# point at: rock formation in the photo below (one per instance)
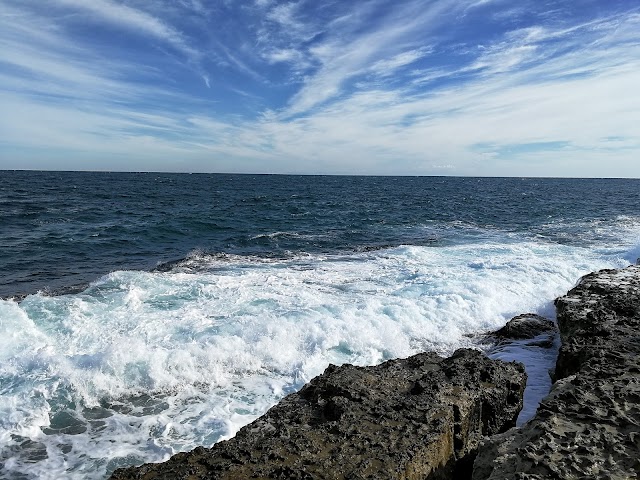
(589, 425)
(533, 341)
(527, 326)
(415, 418)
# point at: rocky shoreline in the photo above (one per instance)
(589, 424)
(427, 417)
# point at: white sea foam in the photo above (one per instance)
(539, 361)
(142, 365)
(276, 235)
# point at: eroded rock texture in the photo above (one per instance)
(589, 425)
(526, 326)
(415, 418)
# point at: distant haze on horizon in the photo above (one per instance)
(410, 87)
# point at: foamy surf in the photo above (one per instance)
(142, 365)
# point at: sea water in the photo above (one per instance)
(147, 314)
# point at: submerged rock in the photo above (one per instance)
(589, 425)
(416, 418)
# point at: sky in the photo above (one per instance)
(372, 87)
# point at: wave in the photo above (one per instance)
(141, 365)
(276, 235)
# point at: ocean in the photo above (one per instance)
(143, 314)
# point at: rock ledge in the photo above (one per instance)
(416, 418)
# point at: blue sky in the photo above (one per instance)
(406, 87)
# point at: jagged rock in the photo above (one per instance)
(599, 321)
(415, 418)
(589, 425)
(525, 326)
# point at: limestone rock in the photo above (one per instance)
(526, 326)
(415, 418)
(589, 425)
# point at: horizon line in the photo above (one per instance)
(138, 172)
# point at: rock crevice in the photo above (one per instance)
(589, 424)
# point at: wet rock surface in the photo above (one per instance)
(589, 425)
(526, 326)
(416, 418)
(534, 341)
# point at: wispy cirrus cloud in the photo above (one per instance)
(135, 20)
(558, 98)
(387, 66)
(60, 96)
(477, 87)
(349, 51)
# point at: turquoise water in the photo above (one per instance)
(146, 314)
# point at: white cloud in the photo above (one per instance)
(392, 131)
(194, 5)
(134, 20)
(571, 84)
(285, 15)
(343, 59)
(388, 66)
(291, 56)
(506, 58)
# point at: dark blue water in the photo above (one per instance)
(60, 230)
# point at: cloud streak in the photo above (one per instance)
(134, 20)
(345, 55)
